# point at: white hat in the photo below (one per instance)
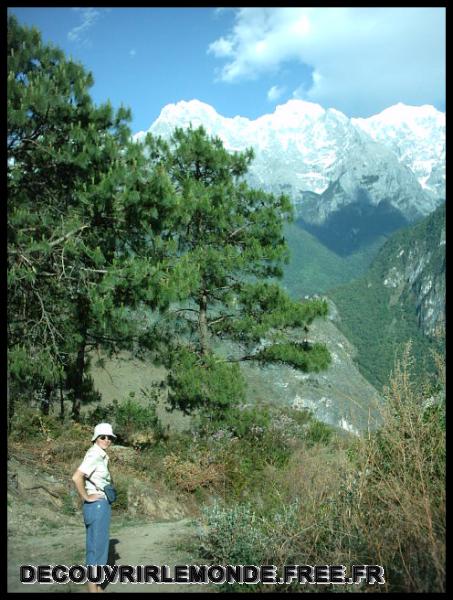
(102, 429)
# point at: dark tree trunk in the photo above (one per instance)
(78, 381)
(61, 400)
(10, 403)
(45, 402)
(82, 316)
(203, 324)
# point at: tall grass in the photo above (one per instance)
(378, 499)
(401, 488)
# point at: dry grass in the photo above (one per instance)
(402, 490)
(386, 503)
(377, 500)
(189, 475)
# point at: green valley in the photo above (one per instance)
(313, 268)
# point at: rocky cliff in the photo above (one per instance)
(413, 267)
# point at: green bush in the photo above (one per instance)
(231, 535)
(209, 386)
(240, 420)
(318, 433)
(70, 503)
(242, 535)
(121, 485)
(134, 423)
(101, 414)
(29, 422)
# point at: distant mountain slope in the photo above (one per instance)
(401, 297)
(340, 395)
(314, 268)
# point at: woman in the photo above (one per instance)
(90, 479)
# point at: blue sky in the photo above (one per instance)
(246, 61)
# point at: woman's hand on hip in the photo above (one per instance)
(94, 497)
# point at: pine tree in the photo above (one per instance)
(230, 238)
(80, 225)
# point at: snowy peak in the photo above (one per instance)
(299, 138)
(416, 135)
(301, 148)
(182, 114)
(298, 109)
(190, 109)
(412, 116)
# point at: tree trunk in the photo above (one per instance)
(61, 400)
(77, 385)
(203, 324)
(45, 402)
(78, 381)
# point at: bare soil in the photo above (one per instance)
(141, 544)
(42, 531)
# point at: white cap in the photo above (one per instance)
(102, 429)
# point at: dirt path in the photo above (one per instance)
(148, 543)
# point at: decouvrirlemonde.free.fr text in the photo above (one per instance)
(216, 574)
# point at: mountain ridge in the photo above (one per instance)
(302, 149)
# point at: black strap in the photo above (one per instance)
(99, 489)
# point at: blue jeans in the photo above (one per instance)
(96, 516)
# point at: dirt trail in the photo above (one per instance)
(149, 543)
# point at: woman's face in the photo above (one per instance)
(104, 441)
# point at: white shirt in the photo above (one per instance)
(95, 466)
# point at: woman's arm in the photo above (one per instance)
(79, 480)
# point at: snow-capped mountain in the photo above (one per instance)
(325, 161)
(416, 134)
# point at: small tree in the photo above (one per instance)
(230, 239)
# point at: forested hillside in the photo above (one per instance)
(401, 297)
(313, 268)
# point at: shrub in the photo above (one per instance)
(122, 500)
(134, 424)
(231, 535)
(194, 473)
(241, 534)
(240, 420)
(375, 499)
(28, 422)
(318, 433)
(70, 503)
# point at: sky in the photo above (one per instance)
(246, 61)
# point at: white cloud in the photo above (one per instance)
(363, 59)
(89, 17)
(221, 48)
(275, 93)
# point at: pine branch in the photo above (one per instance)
(67, 236)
